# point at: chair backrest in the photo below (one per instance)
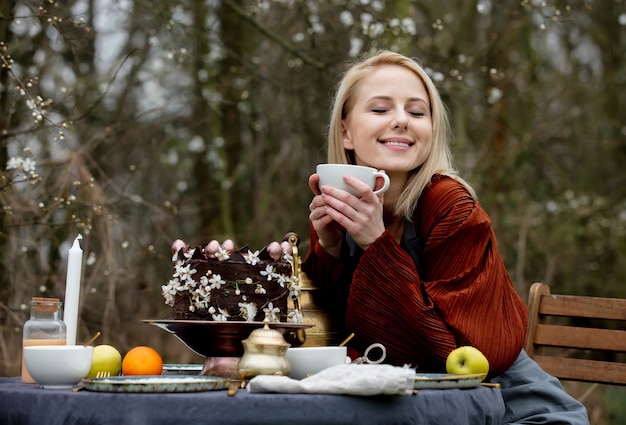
(577, 338)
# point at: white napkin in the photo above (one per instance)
(348, 379)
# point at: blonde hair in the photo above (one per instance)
(439, 160)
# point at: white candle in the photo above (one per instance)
(72, 290)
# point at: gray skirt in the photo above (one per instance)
(531, 396)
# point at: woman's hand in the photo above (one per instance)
(334, 211)
(330, 233)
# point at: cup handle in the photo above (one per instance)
(385, 177)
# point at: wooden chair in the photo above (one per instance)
(577, 338)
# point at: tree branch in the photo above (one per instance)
(275, 37)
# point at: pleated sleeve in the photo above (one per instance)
(464, 296)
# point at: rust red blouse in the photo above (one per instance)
(464, 295)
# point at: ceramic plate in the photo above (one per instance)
(442, 381)
(182, 369)
(156, 384)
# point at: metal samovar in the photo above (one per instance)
(322, 333)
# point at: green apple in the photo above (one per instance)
(467, 360)
(106, 358)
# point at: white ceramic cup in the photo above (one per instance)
(304, 361)
(332, 175)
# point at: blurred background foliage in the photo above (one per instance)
(136, 122)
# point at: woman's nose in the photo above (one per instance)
(400, 120)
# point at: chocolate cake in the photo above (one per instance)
(239, 286)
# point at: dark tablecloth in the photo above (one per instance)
(26, 404)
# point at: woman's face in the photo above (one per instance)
(390, 126)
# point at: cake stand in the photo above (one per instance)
(220, 342)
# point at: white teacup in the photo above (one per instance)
(332, 175)
(304, 361)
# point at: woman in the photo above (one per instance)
(417, 268)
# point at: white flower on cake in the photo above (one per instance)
(169, 292)
(222, 254)
(222, 316)
(259, 289)
(183, 273)
(188, 254)
(269, 272)
(171, 285)
(252, 257)
(201, 302)
(203, 287)
(288, 257)
(282, 279)
(294, 289)
(248, 311)
(271, 312)
(295, 316)
(216, 281)
(249, 281)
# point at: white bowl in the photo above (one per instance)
(309, 360)
(58, 366)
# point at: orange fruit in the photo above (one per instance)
(142, 360)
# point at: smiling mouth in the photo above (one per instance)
(396, 143)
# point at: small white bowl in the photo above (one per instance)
(58, 366)
(309, 360)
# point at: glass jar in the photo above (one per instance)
(44, 327)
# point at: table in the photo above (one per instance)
(26, 404)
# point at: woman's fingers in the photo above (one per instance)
(361, 217)
(314, 182)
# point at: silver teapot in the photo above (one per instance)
(264, 353)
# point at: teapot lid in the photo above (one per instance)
(266, 336)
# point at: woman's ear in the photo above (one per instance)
(347, 137)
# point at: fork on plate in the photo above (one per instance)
(99, 374)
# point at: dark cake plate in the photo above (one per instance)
(220, 342)
(223, 339)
